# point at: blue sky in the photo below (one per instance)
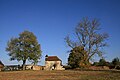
(52, 20)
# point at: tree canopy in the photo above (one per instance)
(77, 57)
(25, 47)
(116, 62)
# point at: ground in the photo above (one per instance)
(60, 75)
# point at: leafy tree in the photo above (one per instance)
(116, 62)
(23, 48)
(95, 64)
(77, 57)
(102, 62)
(88, 35)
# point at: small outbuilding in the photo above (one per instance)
(53, 63)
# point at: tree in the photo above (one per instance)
(23, 48)
(88, 35)
(77, 57)
(116, 62)
(102, 62)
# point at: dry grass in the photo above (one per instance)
(60, 75)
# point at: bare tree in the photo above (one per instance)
(88, 36)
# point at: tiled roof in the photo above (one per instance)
(52, 58)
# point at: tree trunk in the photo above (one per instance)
(24, 61)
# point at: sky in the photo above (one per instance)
(52, 20)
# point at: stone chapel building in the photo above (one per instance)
(53, 63)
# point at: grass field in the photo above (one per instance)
(60, 75)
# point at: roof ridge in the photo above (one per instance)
(52, 58)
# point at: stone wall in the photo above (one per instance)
(38, 67)
(34, 67)
(53, 65)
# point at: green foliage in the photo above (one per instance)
(23, 48)
(102, 62)
(95, 64)
(116, 62)
(77, 57)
